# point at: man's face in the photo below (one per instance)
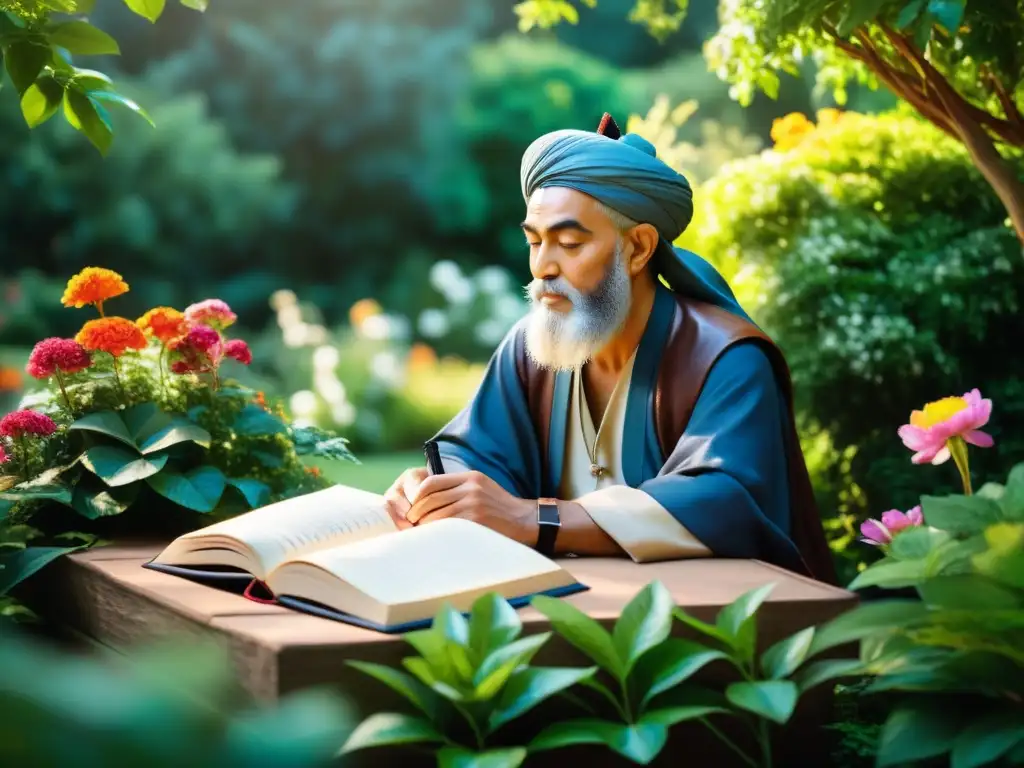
(582, 289)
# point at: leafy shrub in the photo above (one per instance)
(876, 255)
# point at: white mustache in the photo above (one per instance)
(557, 285)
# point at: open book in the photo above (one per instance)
(337, 553)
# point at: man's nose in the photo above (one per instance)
(543, 263)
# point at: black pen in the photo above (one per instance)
(434, 465)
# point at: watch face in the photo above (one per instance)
(548, 514)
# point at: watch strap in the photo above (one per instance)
(549, 522)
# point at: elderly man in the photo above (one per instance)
(636, 411)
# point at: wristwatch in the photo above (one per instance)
(548, 524)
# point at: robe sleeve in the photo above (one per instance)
(494, 433)
(725, 483)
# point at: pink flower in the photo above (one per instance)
(198, 351)
(238, 350)
(53, 354)
(930, 429)
(878, 532)
(21, 423)
(212, 312)
(4, 458)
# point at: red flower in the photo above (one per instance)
(21, 423)
(4, 458)
(238, 350)
(53, 354)
(199, 351)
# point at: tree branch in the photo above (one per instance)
(1013, 114)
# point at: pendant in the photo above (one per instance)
(596, 470)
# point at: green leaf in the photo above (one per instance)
(197, 5)
(738, 620)
(527, 688)
(144, 419)
(867, 619)
(986, 740)
(644, 623)
(177, 431)
(459, 757)
(909, 13)
(994, 491)
(707, 629)
(669, 664)
(917, 543)
(948, 12)
(253, 420)
(782, 659)
(199, 489)
(19, 564)
(95, 502)
(256, 492)
(24, 61)
(118, 466)
(1004, 560)
(82, 114)
(499, 665)
(267, 459)
(818, 672)
(385, 728)
(147, 9)
(493, 622)
(412, 689)
(41, 101)
(108, 423)
(91, 80)
(119, 98)
(772, 699)
(1012, 500)
(38, 491)
(82, 38)
(84, 6)
(916, 733)
(960, 514)
(581, 631)
(686, 703)
(858, 13)
(970, 591)
(891, 574)
(640, 743)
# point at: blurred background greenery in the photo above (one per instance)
(344, 173)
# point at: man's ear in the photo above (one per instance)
(645, 241)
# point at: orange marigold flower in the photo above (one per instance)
(164, 324)
(93, 285)
(790, 130)
(10, 380)
(362, 310)
(421, 356)
(113, 335)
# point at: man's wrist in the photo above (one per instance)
(549, 522)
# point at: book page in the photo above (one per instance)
(305, 523)
(430, 562)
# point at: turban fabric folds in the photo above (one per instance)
(624, 173)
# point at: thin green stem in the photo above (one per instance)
(117, 378)
(472, 724)
(63, 391)
(958, 450)
(625, 701)
(600, 688)
(728, 742)
(765, 739)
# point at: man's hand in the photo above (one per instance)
(399, 494)
(474, 496)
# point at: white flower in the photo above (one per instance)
(444, 272)
(326, 358)
(303, 403)
(433, 323)
(492, 279)
(377, 327)
(282, 298)
(386, 367)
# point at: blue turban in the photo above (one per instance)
(626, 175)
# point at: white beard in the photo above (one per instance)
(566, 341)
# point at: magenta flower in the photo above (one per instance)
(880, 532)
(22, 423)
(55, 355)
(4, 458)
(212, 312)
(198, 351)
(238, 350)
(930, 429)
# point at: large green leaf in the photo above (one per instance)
(669, 664)
(782, 659)
(867, 619)
(144, 419)
(773, 699)
(83, 115)
(948, 12)
(93, 500)
(413, 690)
(147, 9)
(909, 13)
(454, 628)
(108, 423)
(960, 514)
(255, 492)
(80, 37)
(499, 665)
(41, 101)
(177, 431)
(493, 622)
(640, 743)
(1004, 560)
(39, 489)
(891, 574)
(581, 631)
(857, 13)
(459, 757)
(119, 466)
(818, 672)
(24, 60)
(434, 648)
(917, 543)
(916, 733)
(119, 98)
(199, 489)
(738, 620)
(253, 420)
(17, 565)
(687, 702)
(703, 627)
(970, 591)
(528, 687)
(1012, 500)
(987, 739)
(386, 728)
(644, 623)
